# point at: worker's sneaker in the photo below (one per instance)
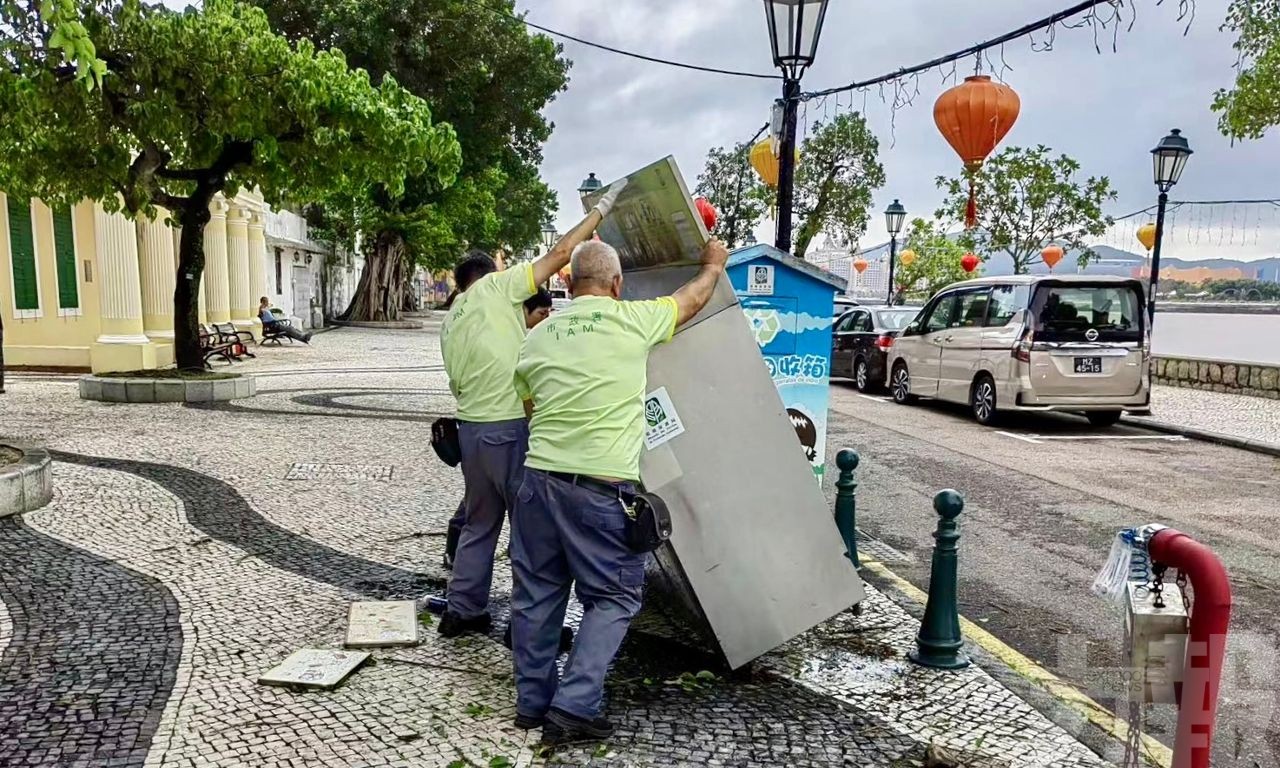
(529, 722)
(566, 639)
(453, 625)
(562, 728)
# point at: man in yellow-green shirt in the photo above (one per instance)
(582, 374)
(480, 340)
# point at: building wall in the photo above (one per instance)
(1194, 275)
(50, 336)
(124, 272)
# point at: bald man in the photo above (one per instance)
(582, 377)
(480, 341)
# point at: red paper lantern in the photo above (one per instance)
(1052, 255)
(969, 262)
(973, 117)
(707, 211)
(860, 265)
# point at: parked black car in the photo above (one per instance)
(843, 304)
(861, 341)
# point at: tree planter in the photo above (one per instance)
(26, 484)
(112, 389)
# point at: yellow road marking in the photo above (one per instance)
(1157, 754)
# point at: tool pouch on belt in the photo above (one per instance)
(648, 523)
(444, 439)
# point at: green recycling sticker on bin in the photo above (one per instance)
(661, 422)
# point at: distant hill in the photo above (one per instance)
(1112, 261)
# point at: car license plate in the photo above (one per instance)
(1088, 365)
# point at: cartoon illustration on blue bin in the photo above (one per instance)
(788, 304)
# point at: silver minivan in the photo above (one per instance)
(1029, 342)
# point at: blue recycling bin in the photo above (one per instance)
(789, 303)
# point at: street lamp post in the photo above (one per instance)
(894, 215)
(794, 29)
(589, 185)
(548, 235)
(1168, 159)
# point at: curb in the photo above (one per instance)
(1243, 443)
(1036, 676)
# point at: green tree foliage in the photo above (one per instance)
(1243, 289)
(839, 168)
(198, 103)
(1252, 105)
(482, 73)
(730, 184)
(1028, 200)
(55, 29)
(937, 263)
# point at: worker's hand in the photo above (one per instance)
(714, 254)
(610, 197)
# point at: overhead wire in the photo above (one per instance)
(632, 54)
(978, 49)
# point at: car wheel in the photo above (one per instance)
(862, 375)
(901, 385)
(1102, 418)
(982, 400)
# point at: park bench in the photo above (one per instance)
(229, 333)
(212, 345)
(275, 331)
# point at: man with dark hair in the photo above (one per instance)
(480, 340)
(536, 309)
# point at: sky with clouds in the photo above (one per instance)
(1107, 110)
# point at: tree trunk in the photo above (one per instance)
(408, 299)
(186, 292)
(380, 292)
(1, 355)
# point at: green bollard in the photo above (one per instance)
(846, 504)
(939, 643)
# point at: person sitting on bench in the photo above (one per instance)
(272, 324)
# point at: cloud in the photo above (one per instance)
(1107, 110)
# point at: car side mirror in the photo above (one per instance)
(911, 330)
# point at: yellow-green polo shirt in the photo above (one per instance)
(584, 370)
(480, 339)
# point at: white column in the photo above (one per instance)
(238, 280)
(217, 287)
(121, 344)
(257, 262)
(156, 267)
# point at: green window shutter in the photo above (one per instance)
(64, 242)
(22, 254)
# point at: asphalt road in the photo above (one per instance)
(1045, 495)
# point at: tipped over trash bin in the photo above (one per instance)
(755, 557)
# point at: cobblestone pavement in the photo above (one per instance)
(1249, 418)
(189, 549)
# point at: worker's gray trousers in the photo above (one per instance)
(492, 464)
(563, 534)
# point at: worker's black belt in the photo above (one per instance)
(597, 485)
(648, 519)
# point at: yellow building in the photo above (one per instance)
(1195, 275)
(82, 288)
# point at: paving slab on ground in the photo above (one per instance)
(190, 548)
